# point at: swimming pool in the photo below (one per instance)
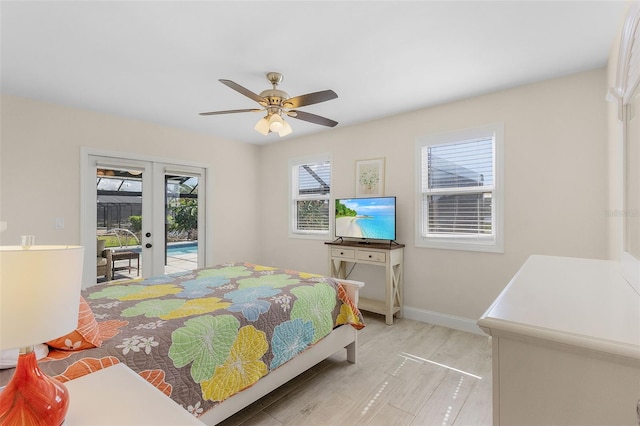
(182, 248)
(174, 249)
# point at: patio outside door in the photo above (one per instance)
(149, 214)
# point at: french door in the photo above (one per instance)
(150, 214)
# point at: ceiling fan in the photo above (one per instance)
(277, 104)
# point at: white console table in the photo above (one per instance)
(388, 256)
(566, 345)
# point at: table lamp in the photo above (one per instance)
(39, 301)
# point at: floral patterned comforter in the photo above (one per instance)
(202, 336)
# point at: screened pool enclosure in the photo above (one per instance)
(120, 218)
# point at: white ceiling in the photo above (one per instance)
(161, 61)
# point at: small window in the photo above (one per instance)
(459, 190)
(310, 195)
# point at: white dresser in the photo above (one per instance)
(566, 345)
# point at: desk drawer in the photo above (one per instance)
(343, 253)
(372, 256)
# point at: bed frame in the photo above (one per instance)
(344, 337)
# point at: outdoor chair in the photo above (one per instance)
(103, 260)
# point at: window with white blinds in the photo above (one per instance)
(311, 192)
(459, 195)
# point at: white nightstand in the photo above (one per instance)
(118, 396)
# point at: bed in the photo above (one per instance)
(215, 339)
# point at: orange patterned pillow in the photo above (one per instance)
(85, 336)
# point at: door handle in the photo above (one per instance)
(148, 245)
(148, 234)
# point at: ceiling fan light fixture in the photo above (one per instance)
(286, 129)
(262, 126)
(276, 123)
(277, 103)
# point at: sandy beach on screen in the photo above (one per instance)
(347, 226)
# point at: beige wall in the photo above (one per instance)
(615, 161)
(40, 172)
(555, 189)
(556, 184)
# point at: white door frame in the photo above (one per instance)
(155, 170)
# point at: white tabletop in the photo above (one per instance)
(117, 395)
(581, 302)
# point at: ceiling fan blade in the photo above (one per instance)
(309, 99)
(231, 111)
(248, 93)
(312, 118)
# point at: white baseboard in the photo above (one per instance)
(437, 318)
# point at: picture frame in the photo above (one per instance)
(370, 177)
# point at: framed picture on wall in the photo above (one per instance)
(370, 177)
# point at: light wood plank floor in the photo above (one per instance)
(408, 373)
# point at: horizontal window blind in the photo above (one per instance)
(458, 165)
(311, 196)
(457, 188)
(459, 214)
(314, 179)
(313, 215)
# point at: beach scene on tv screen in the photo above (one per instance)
(366, 218)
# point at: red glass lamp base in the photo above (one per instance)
(32, 397)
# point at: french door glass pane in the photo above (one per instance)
(181, 225)
(119, 222)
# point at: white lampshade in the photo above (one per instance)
(262, 126)
(39, 293)
(275, 123)
(286, 129)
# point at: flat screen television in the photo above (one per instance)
(366, 218)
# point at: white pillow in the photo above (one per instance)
(9, 357)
